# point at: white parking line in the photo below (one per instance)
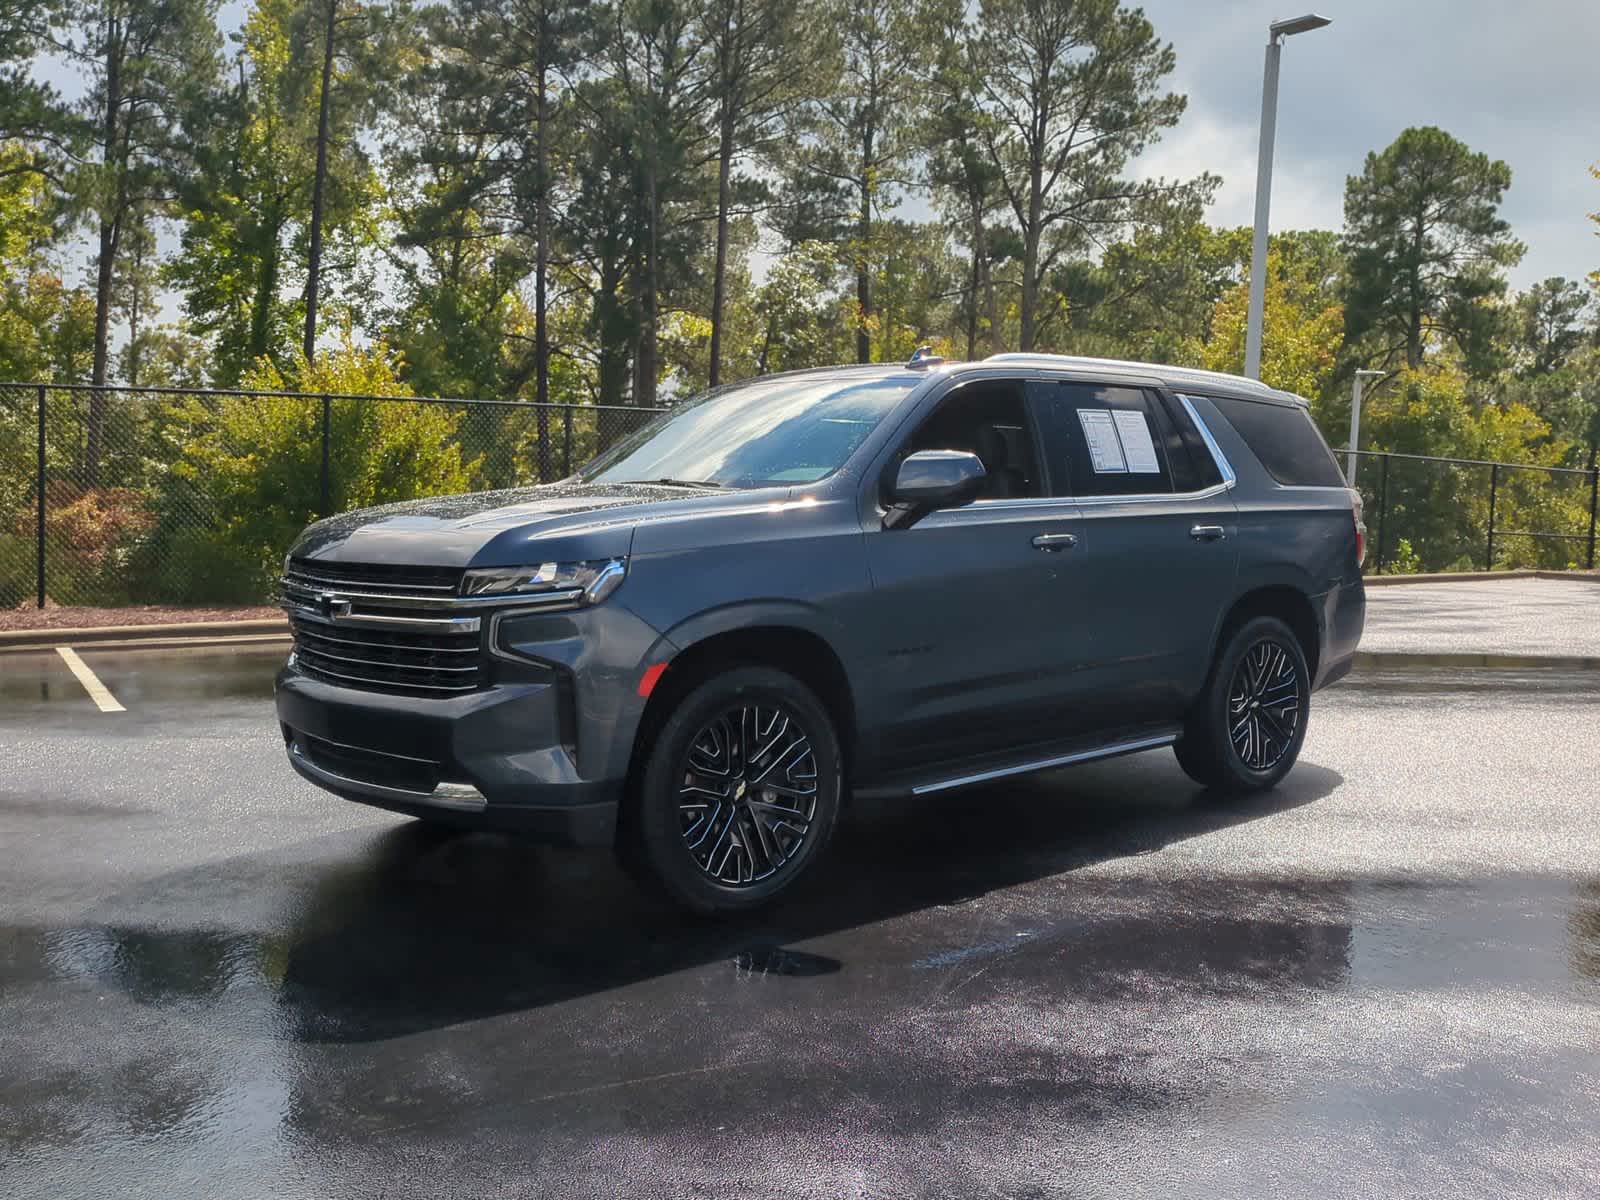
(98, 692)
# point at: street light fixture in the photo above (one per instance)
(1355, 421)
(1276, 32)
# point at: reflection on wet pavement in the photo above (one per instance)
(1050, 988)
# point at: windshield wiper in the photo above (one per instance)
(692, 483)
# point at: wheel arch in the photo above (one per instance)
(773, 638)
(1290, 605)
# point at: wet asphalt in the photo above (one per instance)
(1382, 979)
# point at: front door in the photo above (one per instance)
(976, 607)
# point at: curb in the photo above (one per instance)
(1381, 659)
(182, 633)
(1478, 577)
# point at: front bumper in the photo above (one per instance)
(502, 758)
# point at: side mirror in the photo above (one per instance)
(933, 479)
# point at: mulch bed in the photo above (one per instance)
(52, 616)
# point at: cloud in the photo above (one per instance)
(1513, 81)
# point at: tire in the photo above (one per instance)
(1246, 729)
(706, 821)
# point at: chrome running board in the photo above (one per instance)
(1044, 764)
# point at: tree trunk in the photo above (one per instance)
(266, 289)
(541, 255)
(314, 265)
(1030, 258)
(105, 268)
(864, 267)
(644, 361)
(997, 343)
(719, 282)
(977, 279)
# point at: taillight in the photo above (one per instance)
(1356, 511)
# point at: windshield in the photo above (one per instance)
(783, 430)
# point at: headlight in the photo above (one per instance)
(581, 582)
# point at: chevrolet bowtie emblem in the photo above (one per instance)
(332, 605)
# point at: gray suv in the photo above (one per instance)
(861, 580)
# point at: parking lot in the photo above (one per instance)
(1382, 979)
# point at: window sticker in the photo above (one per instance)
(1105, 450)
(1134, 432)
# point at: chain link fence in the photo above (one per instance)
(115, 496)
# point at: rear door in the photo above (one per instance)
(1159, 536)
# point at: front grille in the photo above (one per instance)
(371, 646)
(388, 579)
(368, 766)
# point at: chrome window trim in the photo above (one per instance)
(1217, 456)
(1062, 506)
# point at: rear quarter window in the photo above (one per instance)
(1284, 439)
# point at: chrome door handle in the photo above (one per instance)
(1207, 533)
(1055, 541)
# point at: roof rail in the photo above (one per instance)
(1074, 360)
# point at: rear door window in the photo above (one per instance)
(1103, 439)
(1283, 437)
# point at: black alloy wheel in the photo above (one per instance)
(1263, 705)
(748, 793)
(1245, 731)
(737, 792)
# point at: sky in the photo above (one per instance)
(1515, 81)
(1512, 80)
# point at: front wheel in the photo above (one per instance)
(1247, 728)
(739, 791)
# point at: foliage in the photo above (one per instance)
(617, 202)
(1302, 326)
(1444, 509)
(251, 470)
(1427, 249)
(1071, 92)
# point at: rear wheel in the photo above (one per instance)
(738, 793)
(1247, 728)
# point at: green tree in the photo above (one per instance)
(150, 65)
(1302, 328)
(1074, 92)
(1554, 320)
(250, 469)
(357, 44)
(961, 174)
(34, 120)
(759, 62)
(1428, 250)
(244, 249)
(863, 129)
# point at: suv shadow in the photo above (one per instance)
(425, 930)
(379, 935)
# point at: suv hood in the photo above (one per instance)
(567, 521)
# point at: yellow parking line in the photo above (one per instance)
(98, 692)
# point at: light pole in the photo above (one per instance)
(1276, 32)
(1355, 422)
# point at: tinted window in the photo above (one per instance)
(1193, 468)
(1103, 440)
(1284, 439)
(768, 431)
(986, 419)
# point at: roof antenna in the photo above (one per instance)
(923, 356)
